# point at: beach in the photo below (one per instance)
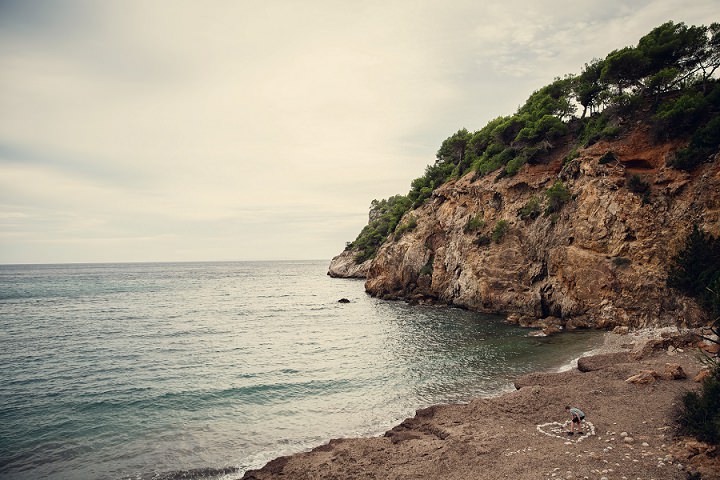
(629, 431)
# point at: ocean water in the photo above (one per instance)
(203, 370)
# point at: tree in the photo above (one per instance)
(707, 58)
(675, 53)
(453, 150)
(553, 99)
(586, 87)
(624, 68)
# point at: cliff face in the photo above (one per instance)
(600, 260)
(344, 266)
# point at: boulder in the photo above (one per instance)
(673, 371)
(551, 329)
(345, 266)
(710, 347)
(702, 375)
(598, 362)
(645, 377)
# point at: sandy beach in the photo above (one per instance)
(629, 431)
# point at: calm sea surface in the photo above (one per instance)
(203, 370)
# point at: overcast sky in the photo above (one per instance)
(259, 130)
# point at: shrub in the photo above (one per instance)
(703, 143)
(695, 270)
(621, 261)
(607, 157)
(405, 227)
(699, 413)
(482, 241)
(384, 218)
(571, 156)
(558, 195)
(637, 185)
(487, 164)
(598, 128)
(501, 228)
(678, 115)
(474, 223)
(531, 210)
(427, 269)
(513, 166)
(611, 131)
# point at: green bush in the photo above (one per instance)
(703, 144)
(557, 195)
(699, 414)
(531, 210)
(501, 228)
(637, 185)
(405, 227)
(611, 131)
(695, 270)
(384, 218)
(607, 157)
(598, 128)
(482, 241)
(474, 224)
(679, 115)
(513, 166)
(427, 269)
(571, 156)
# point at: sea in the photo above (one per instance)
(203, 370)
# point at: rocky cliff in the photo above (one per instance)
(599, 257)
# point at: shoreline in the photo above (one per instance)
(511, 434)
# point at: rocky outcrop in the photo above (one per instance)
(344, 266)
(600, 260)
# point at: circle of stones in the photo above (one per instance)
(560, 430)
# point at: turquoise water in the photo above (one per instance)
(203, 370)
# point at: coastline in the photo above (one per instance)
(519, 434)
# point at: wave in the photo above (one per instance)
(193, 400)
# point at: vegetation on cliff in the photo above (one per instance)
(696, 270)
(670, 75)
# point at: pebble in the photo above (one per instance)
(623, 434)
(645, 444)
(629, 440)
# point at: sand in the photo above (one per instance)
(629, 430)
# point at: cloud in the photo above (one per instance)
(221, 130)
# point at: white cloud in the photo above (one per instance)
(221, 130)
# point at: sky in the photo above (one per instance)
(173, 130)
